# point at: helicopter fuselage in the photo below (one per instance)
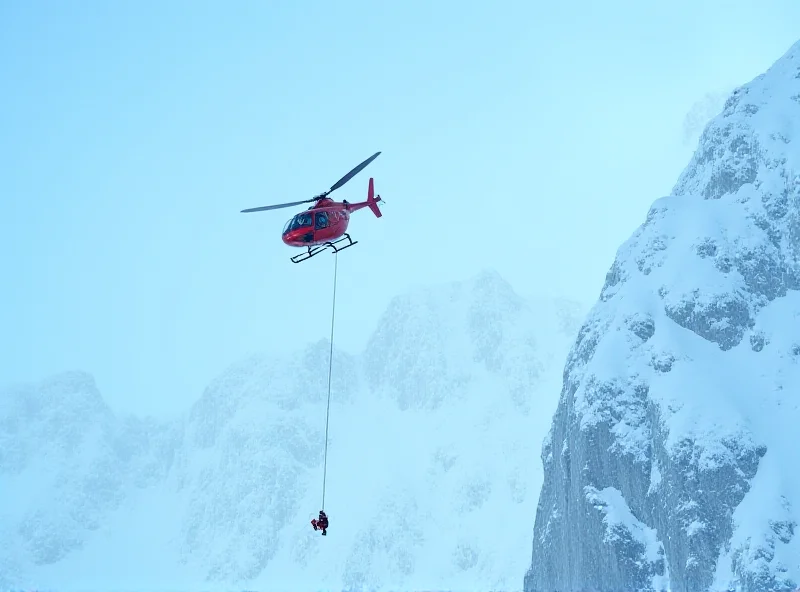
(322, 223)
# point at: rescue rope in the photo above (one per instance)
(330, 368)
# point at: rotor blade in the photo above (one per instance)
(352, 173)
(278, 206)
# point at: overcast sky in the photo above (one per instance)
(522, 136)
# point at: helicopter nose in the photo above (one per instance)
(289, 238)
(298, 237)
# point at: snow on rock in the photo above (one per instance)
(670, 461)
(430, 483)
(429, 345)
(700, 114)
(56, 456)
(252, 441)
(66, 464)
(623, 531)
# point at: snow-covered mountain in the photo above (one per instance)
(67, 466)
(700, 114)
(432, 472)
(672, 462)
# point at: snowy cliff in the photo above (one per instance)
(431, 471)
(672, 458)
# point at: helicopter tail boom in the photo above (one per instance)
(371, 201)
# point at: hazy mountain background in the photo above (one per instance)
(433, 467)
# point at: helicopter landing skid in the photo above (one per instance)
(319, 248)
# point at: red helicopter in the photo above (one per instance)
(324, 225)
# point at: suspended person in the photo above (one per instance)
(321, 523)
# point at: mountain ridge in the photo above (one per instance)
(222, 496)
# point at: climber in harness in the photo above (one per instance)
(321, 523)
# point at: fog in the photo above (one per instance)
(524, 137)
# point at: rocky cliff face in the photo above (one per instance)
(671, 460)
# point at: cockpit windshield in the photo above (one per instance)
(300, 221)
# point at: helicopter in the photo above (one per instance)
(324, 225)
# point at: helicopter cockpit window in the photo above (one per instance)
(321, 220)
(300, 221)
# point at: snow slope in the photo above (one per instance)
(672, 458)
(432, 471)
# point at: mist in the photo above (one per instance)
(521, 145)
(525, 138)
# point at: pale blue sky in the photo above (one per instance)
(524, 136)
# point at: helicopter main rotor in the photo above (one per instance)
(333, 188)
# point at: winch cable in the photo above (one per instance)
(330, 368)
